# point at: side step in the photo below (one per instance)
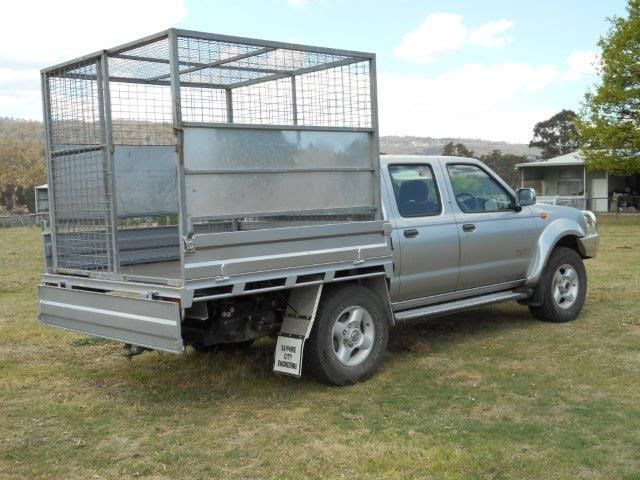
(456, 306)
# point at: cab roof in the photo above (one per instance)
(390, 159)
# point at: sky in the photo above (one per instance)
(454, 68)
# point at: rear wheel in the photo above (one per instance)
(349, 336)
(565, 287)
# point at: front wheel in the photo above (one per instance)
(564, 281)
(349, 336)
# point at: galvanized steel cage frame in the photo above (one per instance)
(148, 91)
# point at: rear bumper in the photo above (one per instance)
(149, 323)
(588, 245)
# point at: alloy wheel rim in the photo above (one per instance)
(565, 286)
(353, 336)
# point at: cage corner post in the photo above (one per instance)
(184, 229)
(104, 101)
(46, 112)
(375, 140)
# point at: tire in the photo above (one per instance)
(348, 319)
(564, 284)
(223, 347)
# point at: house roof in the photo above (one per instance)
(573, 158)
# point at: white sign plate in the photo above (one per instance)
(288, 358)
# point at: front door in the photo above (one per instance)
(425, 234)
(599, 193)
(497, 242)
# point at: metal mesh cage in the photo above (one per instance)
(106, 211)
(141, 111)
(272, 86)
(78, 167)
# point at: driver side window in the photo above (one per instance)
(476, 191)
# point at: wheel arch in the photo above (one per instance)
(379, 285)
(562, 232)
(569, 241)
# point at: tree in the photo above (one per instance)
(22, 165)
(557, 135)
(610, 118)
(456, 150)
(504, 164)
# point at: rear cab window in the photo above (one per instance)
(416, 191)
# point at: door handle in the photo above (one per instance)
(468, 227)
(411, 233)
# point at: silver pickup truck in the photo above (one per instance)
(461, 238)
(207, 190)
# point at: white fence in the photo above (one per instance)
(29, 220)
(614, 204)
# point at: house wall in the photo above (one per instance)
(531, 178)
(551, 174)
(593, 184)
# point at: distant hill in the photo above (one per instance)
(22, 163)
(31, 130)
(22, 130)
(395, 145)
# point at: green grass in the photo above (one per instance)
(488, 394)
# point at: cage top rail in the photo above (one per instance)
(266, 46)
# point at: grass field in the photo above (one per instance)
(487, 394)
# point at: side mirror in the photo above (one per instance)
(526, 196)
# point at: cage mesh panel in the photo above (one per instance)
(221, 76)
(128, 68)
(336, 97)
(141, 114)
(283, 60)
(268, 103)
(79, 173)
(260, 79)
(144, 62)
(204, 105)
(75, 116)
(200, 51)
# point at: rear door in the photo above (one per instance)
(497, 242)
(426, 234)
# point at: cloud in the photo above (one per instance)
(581, 63)
(474, 100)
(437, 37)
(17, 79)
(492, 34)
(442, 34)
(65, 29)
